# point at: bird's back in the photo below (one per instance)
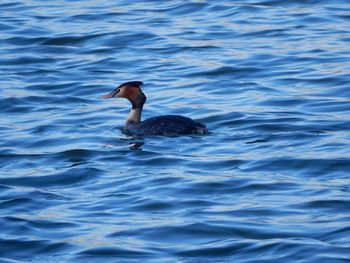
(167, 125)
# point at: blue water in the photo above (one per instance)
(269, 78)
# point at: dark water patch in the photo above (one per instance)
(20, 249)
(26, 61)
(39, 228)
(29, 202)
(203, 188)
(172, 234)
(9, 5)
(32, 31)
(235, 71)
(278, 102)
(113, 252)
(328, 106)
(53, 88)
(296, 249)
(4, 26)
(127, 39)
(270, 33)
(19, 202)
(69, 177)
(28, 160)
(70, 40)
(328, 205)
(186, 9)
(214, 251)
(153, 205)
(41, 195)
(219, 165)
(5, 188)
(24, 41)
(316, 167)
(335, 236)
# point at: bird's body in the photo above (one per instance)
(167, 125)
(159, 125)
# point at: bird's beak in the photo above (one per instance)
(110, 95)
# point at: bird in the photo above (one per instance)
(167, 125)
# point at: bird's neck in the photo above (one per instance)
(133, 117)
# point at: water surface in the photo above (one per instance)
(270, 79)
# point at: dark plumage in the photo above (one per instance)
(167, 125)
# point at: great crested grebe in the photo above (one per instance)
(160, 125)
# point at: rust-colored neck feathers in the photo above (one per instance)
(134, 95)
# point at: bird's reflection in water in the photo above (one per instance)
(136, 145)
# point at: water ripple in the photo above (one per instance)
(268, 184)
